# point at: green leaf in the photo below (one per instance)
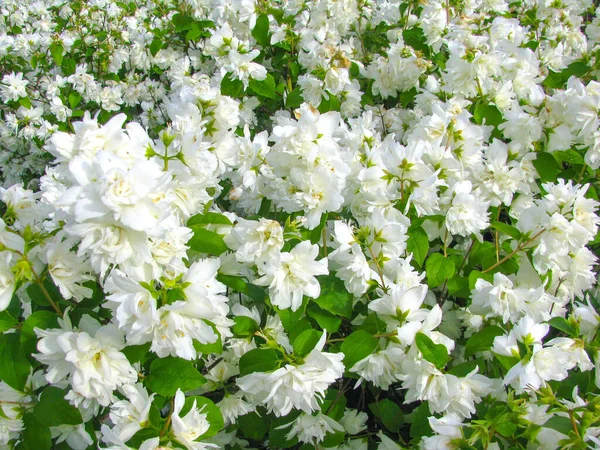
(74, 99)
(68, 66)
(231, 86)
(438, 269)
(240, 285)
(324, 319)
(259, 360)
(389, 413)
(417, 244)
(507, 229)
(420, 422)
(170, 373)
(39, 319)
(558, 423)
(34, 436)
(506, 428)
(253, 426)
(547, 167)
(357, 346)
(261, 31)
(182, 22)
(334, 403)
(334, 296)
(463, 369)
(482, 340)
(306, 341)
(135, 353)
(244, 326)
(569, 156)
(294, 99)
(208, 218)
(562, 324)
(476, 275)
(209, 349)
(266, 87)
(7, 321)
(436, 354)
(53, 410)
(206, 241)
(56, 50)
(155, 46)
(488, 115)
(14, 366)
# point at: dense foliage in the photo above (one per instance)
(301, 224)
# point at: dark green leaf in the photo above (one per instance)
(39, 319)
(417, 244)
(35, 436)
(306, 341)
(206, 241)
(253, 426)
(438, 269)
(546, 166)
(56, 50)
(244, 326)
(324, 319)
(482, 340)
(294, 98)
(231, 87)
(135, 353)
(436, 354)
(261, 31)
(389, 413)
(334, 296)
(14, 366)
(266, 87)
(53, 410)
(563, 325)
(208, 218)
(7, 321)
(155, 46)
(558, 423)
(507, 229)
(420, 422)
(357, 346)
(259, 360)
(488, 115)
(170, 373)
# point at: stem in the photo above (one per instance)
(40, 283)
(168, 422)
(515, 251)
(379, 270)
(574, 424)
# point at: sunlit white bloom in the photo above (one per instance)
(292, 275)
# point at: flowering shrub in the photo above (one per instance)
(342, 224)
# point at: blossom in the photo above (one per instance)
(293, 275)
(295, 387)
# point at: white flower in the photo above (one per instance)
(296, 387)
(130, 416)
(94, 366)
(190, 427)
(7, 280)
(293, 276)
(311, 429)
(255, 240)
